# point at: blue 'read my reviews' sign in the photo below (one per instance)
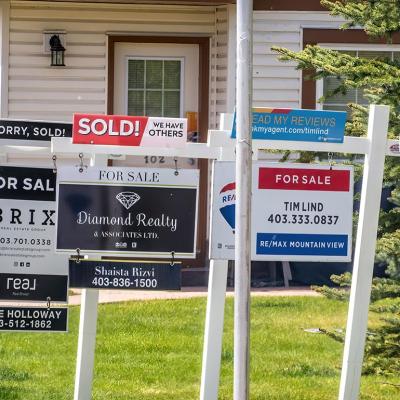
(297, 125)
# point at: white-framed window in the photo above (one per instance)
(339, 101)
(155, 86)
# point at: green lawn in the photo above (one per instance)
(152, 351)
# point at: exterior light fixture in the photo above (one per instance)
(57, 51)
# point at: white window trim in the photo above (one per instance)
(182, 83)
(319, 84)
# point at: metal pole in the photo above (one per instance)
(243, 197)
(364, 253)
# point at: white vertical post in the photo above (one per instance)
(86, 344)
(364, 253)
(244, 97)
(87, 330)
(213, 330)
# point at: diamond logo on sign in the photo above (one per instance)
(128, 199)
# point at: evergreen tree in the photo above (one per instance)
(379, 79)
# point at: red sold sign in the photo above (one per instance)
(129, 131)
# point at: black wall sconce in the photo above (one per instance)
(57, 51)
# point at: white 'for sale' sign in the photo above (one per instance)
(300, 212)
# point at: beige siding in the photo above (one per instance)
(39, 91)
(278, 84)
(219, 60)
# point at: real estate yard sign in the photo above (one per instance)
(117, 274)
(140, 212)
(300, 212)
(33, 319)
(32, 133)
(129, 131)
(29, 269)
(298, 125)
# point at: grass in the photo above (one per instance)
(152, 350)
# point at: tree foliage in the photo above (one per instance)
(379, 79)
(378, 17)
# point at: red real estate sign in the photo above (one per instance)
(122, 130)
(315, 179)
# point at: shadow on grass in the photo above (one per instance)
(301, 370)
(13, 375)
(263, 304)
(227, 355)
(8, 377)
(9, 393)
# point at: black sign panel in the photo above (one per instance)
(120, 219)
(33, 287)
(33, 319)
(29, 269)
(124, 275)
(19, 183)
(36, 131)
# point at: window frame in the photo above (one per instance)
(319, 84)
(182, 80)
(334, 37)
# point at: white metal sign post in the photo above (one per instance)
(213, 331)
(364, 254)
(217, 277)
(87, 327)
(375, 146)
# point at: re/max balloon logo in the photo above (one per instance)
(227, 197)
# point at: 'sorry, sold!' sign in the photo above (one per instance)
(129, 131)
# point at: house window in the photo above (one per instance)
(155, 87)
(339, 101)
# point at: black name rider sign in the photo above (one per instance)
(139, 212)
(33, 319)
(29, 268)
(124, 275)
(32, 133)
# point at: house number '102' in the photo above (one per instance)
(154, 160)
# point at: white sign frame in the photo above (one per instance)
(375, 146)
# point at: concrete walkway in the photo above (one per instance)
(112, 296)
